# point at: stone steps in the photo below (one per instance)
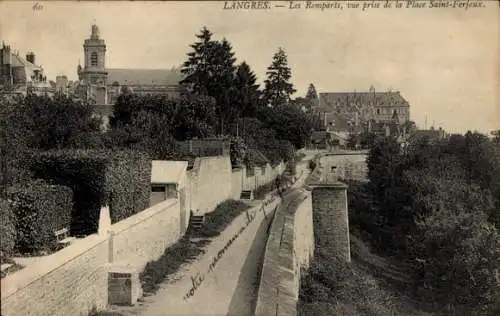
(196, 221)
(246, 195)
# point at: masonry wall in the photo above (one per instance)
(74, 279)
(304, 233)
(69, 282)
(348, 166)
(289, 249)
(209, 183)
(209, 284)
(143, 238)
(330, 215)
(236, 183)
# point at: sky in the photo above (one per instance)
(445, 62)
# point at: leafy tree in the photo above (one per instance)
(13, 143)
(195, 117)
(352, 141)
(460, 251)
(278, 89)
(59, 122)
(290, 123)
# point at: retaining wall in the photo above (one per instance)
(289, 249)
(210, 183)
(207, 286)
(75, 279)
(348, 166)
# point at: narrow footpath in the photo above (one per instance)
(228, 281)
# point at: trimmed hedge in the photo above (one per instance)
(39, 210)
(7, 230)
(119, 179)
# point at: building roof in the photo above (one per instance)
(144, 76)
(166, 171)
(377, 99)
(431, 134)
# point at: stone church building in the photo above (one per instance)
(102, 86)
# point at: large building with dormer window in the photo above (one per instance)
(19, 74)
(382, 112)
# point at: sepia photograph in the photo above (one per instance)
(250, 158)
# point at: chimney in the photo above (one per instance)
(30, 57)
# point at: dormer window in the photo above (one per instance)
(93, 59)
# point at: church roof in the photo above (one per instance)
(144, 76)
(378, 99)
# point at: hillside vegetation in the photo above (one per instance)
(431, 215)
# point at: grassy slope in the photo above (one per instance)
(371, 286)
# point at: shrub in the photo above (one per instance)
(7, 230)
(238, 151)
(39, 209)
(260, 192)
(312, 165)
(120, 179)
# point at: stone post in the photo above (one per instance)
(330, 215)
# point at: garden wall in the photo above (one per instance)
(212, 181)
(69, 282)
(145, 236)
(75, 279)
(236, 182)
(208, 286)
(209, 183)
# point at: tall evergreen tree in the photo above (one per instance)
(278, 89)
(210, 71)
(197, 68)
(312, 95)
(247, 90)
(221, 85)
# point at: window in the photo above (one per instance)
(93, 59)
(378, 111)
(171, 191)
(158, 188)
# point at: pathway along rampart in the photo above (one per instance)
(292, 240)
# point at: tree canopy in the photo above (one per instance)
(278, 88)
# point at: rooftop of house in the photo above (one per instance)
(161, 77)
(432, 134)
(377, 99)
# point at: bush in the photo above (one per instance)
(7, 230)
(120, 179)
(312, 165)
(39, 209)
(238, 152)
(260, 192)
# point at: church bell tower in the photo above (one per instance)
(93, 74)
